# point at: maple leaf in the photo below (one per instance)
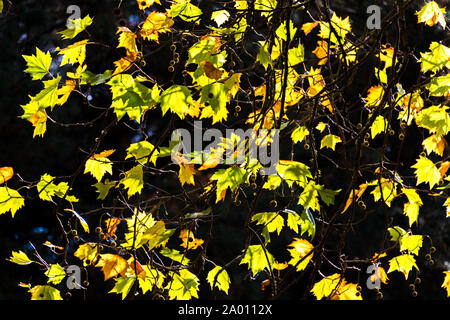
(38, 65)
(346, 291)
(76, 26)
(186, 173)
(403, 263)
(374, 96)
(326, 286)
(45, 293)
(10, 200)
(220, 16)
(258, 259)
(426, 171)
(156, 23)
(88, 253)
(6, 173)
(111, 227)
(380, 274)
(188, 240)
(431, 14)
(144, 4)
(150, 278)
(378, 126)
(55, 274)
(434, 144)
(300, 249)
(309, 26)
(123, 285)
(218, 277)
(99, 164)
(65, 92)
(321, 52)
(330, 141)
(75, 53)
(103, 188)
(183, 286)
(271, 220)
(436, 59)
(133, 180)
(385, 190)
(299, 134)
(112, 265)
(446, 283)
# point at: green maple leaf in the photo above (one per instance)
(257, 259)
(186, 11)
(218, 277)
(38, 65)
(309, 197)
(10, 200)
(271, 220)
(103, 188)
(47, 97)
(231, 178)
(152, 278)
(184, 285)
(47, 189)
(175, 255)
(177, 99)
(123, 285)
(141, 150)
(216, 95)
(330, 141)
(436, 58)
(439, 86)
(436, 119)
(75, 26)
(133, 180)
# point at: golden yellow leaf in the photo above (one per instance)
(6, 173)
(112, 265)
(309, 26)
(426, 171)
(144, 4)
(111, 227)
(186, 174)
(188, 240)
(446, 283)
(355, 195)
(321, 52)
(156, 23)
(65, 91)
(434, 144)
(374, 96)
(346, 291)
(380, 274)
(431, 14)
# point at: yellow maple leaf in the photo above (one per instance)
(374, 96)
(386, 56)
(111, 227)
(112, 265)
(446, 283)
(330, 141)
(346, 291)
(6, 173)
(326, 286)
(300, 249)
(309, 26)
(186, 174)
(403, 263)
(65, 91)
(434, 144)
(380, 274)
(431, 14)
(156, 23)
(188, 240)
(321, 52)
(75, 53)
(426, 171)
(144, 4)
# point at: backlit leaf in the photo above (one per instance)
(38, 65)
(403, 263)
(258, 259)
(218, 277)
(300, 249)
(45, 293)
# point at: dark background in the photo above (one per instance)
(25, 25)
